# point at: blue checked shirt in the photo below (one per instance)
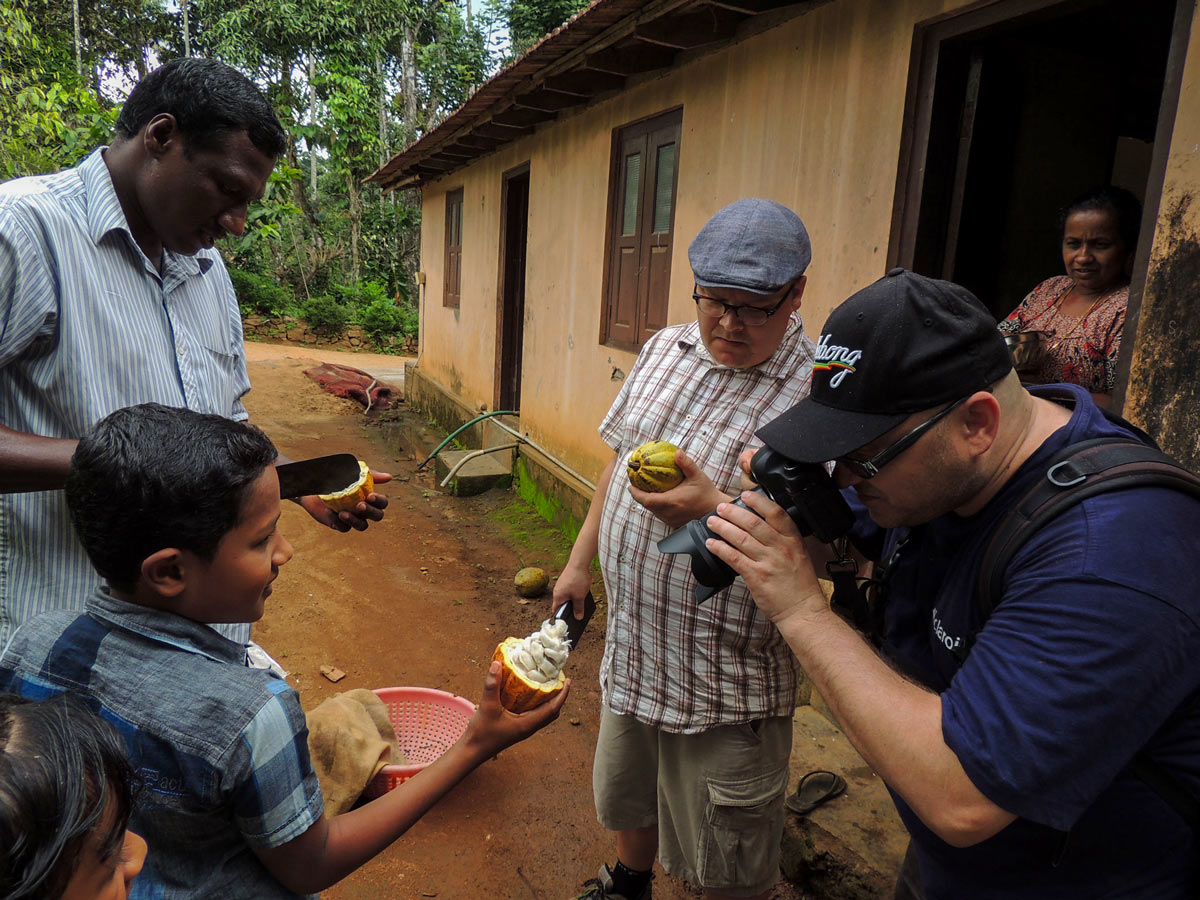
(221, 748)
(87, 326)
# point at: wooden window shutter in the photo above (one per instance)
(662, 152)
(644, 178)
(452, 283)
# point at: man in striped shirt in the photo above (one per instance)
(111, 294)
(696, 726)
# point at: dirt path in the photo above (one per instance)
(422, 599)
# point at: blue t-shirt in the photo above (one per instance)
(1093, 646)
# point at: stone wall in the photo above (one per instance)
(290, 329)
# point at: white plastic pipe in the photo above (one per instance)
(474, 453)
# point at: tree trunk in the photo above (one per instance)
(408, 83)
(187, 36)
(312, 121)
(434, 100)
(301, 196)
(78, 42)
(383, 121)
(355, 209)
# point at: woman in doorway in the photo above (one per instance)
(1080, 315)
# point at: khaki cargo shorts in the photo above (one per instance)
(716, 796)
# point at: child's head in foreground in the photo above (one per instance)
(177, 510)
(65, 800)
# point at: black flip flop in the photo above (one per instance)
(814, 789)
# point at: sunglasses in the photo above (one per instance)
(869, 468)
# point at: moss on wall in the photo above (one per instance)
(546, 496)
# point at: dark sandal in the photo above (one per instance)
(814, 789)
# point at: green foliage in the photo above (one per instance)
(260, 295)
(382, 319)
(52, 121)
(325, 315)
(361, 293)
(353, 81)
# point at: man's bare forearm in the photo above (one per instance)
(29, 462)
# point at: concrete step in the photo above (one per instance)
(478, 475)
(850, 847)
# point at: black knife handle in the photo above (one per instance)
(575, 626)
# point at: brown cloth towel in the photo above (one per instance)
(346, 381)
(350, 738)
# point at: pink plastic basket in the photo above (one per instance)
(427, 722)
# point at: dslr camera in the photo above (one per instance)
(804, 490)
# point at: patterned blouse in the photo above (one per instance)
(1078, 350)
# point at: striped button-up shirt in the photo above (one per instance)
(89, 325)
(668, 661)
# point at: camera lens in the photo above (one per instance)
(804, 490)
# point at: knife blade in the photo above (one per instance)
(320, 475)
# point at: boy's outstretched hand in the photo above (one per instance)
(332, 848)
(493, 727)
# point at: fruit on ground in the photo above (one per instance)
(652, 467)
(531, 668)
(348, 497)
(531, 581)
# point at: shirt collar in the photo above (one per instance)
(778, 365)
(105, 215)
(165, 628)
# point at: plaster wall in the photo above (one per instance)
(1163, 392)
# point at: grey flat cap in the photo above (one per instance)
(753, 245)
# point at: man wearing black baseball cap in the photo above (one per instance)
(691, 761)
(1011, 764)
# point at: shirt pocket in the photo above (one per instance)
(219, 380)
(719, 441)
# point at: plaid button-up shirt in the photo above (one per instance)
(668, 661)
(221, 749)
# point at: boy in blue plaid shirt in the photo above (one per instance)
(178, 511)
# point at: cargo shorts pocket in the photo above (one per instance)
(743, 824)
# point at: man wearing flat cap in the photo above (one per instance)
(1047, 746)
(692, 757)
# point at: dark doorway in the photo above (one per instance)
(1015, 109)
(514, 229)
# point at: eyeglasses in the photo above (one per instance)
(869, 468)
(749, 315)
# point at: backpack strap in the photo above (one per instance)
(1076, 473)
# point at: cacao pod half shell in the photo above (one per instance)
(349, 496)
(527, 682)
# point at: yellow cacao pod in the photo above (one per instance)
(531, 581)
(652, 467)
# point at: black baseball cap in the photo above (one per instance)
(901, 345)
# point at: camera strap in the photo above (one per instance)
(849, 597)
